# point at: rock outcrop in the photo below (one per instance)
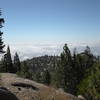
(7, 95)
(80, 97)
(23, 89)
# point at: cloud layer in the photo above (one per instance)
(30, 50)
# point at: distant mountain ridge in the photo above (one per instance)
(42, 62)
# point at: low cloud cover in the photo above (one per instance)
(30, 50)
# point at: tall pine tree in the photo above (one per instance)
(82, 64)
(8, 61)
(1, 43)
(64, 72)
(1, 33)
(17, 64)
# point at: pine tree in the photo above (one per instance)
(8, 61)
(1, 33)
(37, 77)
(85, 62)
(25, 70)
(65, 71)
(82, 64)
(3, 66)
(17, 63)
(46, 77)
(90, 57)
(90, 85)
(76, 72)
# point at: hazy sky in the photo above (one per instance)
(56, 21)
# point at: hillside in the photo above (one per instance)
(25, 89)
(39, 63)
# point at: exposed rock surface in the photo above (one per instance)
(25, 89)
(81, 97)
(7, 95)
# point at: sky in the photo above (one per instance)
(42, 26)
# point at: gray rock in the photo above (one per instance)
(7, 95)
(80, 97)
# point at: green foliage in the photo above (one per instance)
(82, 63)
(1, 33)
(71, 70)
(46, 77)
(24, 72)
(42, 76)
(64, 74)
(3, 67)
(37, 77)
(16, 64)
(37, 66)
(8, 61)
(90, 86)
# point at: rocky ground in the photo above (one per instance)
(25, 89)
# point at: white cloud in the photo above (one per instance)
(30, 50)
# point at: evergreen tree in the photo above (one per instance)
(90, 85)
(65, 71)
(1, 33)
(3, 66)
(85, 61)
(46, 77)
(8, 61)
(37, 77)
(25, 70)
(90, 58)
(81, 65)
(76, 71)
(17, 63)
